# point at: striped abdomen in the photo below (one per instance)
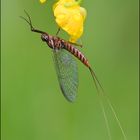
(76, 53)
(57, 43)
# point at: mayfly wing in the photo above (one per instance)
(67, 73)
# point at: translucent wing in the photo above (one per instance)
(67, 73)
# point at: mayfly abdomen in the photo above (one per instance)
(77, 53)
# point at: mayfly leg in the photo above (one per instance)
(30, 23)
(58, 31)
(73, 43)
(76, 44)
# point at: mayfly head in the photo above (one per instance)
(45, 37)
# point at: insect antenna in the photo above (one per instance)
(102, 92)
(30, 23)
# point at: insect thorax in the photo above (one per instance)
(52, 41)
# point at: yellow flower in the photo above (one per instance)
(70, 17)
(42, 1)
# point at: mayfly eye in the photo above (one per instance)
(44, 37)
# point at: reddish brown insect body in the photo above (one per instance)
(58, 43)
(69, 47)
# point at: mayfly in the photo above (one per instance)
(65, 64)
(66, 68)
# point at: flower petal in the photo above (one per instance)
(70, 19)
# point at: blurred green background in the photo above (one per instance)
(33, 107)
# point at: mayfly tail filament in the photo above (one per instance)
(101, 94)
